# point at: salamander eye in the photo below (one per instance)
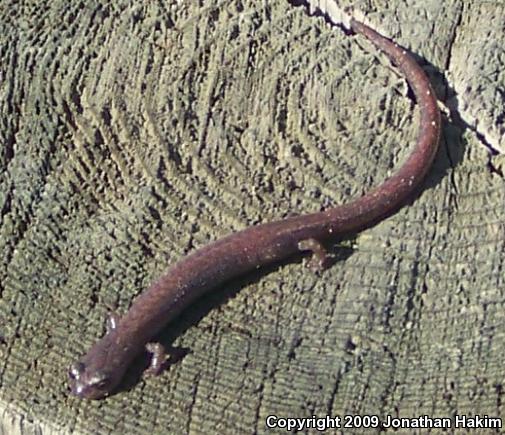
(76, 370)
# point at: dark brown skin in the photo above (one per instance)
(100, 371)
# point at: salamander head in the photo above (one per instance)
(90, 384)
(98, 373)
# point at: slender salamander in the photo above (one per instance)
(98, 373)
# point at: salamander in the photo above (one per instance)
(100, 371)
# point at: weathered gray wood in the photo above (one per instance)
(132, 133)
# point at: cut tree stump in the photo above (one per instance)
(134, 132)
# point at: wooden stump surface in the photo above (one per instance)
(134, 132)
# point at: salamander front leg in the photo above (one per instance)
(159, 358)
(163, 357)
(111, 322)
(319, 254)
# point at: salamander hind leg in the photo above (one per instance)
(318, 262)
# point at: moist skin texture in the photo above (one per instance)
(99, 372)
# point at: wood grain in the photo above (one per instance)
(131, 134)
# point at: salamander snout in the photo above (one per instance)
(89, 384)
